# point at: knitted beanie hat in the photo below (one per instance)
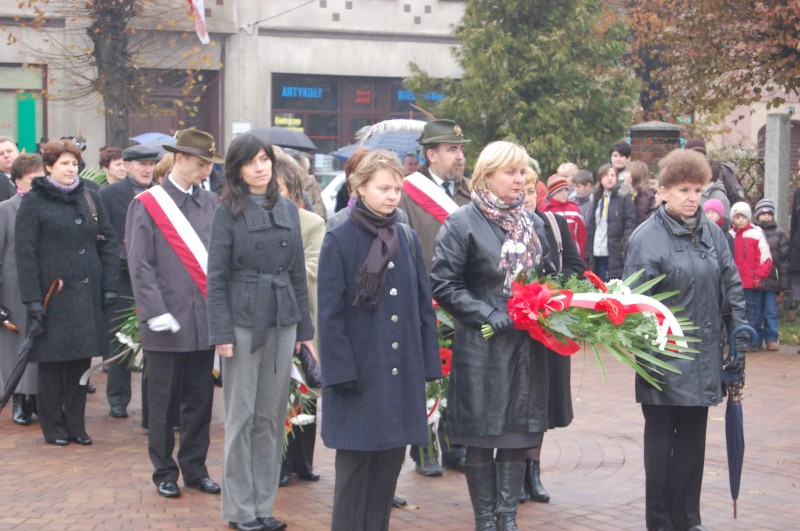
(696, 144)
(715, 205)
(556, 183)
(741, 208)
(765, 206)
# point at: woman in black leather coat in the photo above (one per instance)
(498, 386)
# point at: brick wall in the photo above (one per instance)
(651, 141)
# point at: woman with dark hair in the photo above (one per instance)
(678, 240)
(258, 315)
(63, 232)
(610, 225)
(377, 333)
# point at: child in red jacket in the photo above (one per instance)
(754, 262)
(558, 203)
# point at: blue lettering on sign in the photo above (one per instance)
(313, 93)
(407, 95)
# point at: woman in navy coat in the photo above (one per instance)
(378, 345)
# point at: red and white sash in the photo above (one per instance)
(178, 232)
(428, 195)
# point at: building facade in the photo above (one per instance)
(326, 67)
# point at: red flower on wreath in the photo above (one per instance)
(303, 389)
(597, 281)
(614, 309)
(446, 356)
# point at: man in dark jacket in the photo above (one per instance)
(139, 163)
(167, 232)
(440, 187)
(8, 154)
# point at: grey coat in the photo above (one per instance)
(256, 272)
(11, 301)
(389, 351)
(498, 385)
(55, 238)
(161, 283)
(700, 266)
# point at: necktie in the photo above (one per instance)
(605, 207)
(446, 186)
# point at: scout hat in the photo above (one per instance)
(438, 131)
(197, 143)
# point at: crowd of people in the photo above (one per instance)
(234, 256)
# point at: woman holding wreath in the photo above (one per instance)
(498, 387)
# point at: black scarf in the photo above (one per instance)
(372, 274)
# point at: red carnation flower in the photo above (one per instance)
(597, 281)
(446, 356)
(614, 309)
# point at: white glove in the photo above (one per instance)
(162, 323)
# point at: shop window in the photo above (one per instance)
(22, 106)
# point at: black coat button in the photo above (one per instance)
(82, 251)
(280, 270)
(284, 243)
(259, 245)
(78, 221)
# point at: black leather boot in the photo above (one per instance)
(481, 485)
(510, 476)
(31, 404)
(20, 414)
(533, 484)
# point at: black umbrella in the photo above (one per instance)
(283, 137)
(21, 363)
(734, 421)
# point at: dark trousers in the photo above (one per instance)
(365, 483)
(118, 382)
(187, 375)
(754, 311)
(60, 400)
(299, 455)
(674, 453)
(601, 267)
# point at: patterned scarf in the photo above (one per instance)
(521, 250)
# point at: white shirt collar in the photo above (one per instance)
(178, 186)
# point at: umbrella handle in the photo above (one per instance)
(55, 287)
(732, 354)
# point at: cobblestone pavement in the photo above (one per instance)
(592, 469)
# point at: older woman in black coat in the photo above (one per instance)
(377, 332)
(258, 315)
(62, 231)
(680, 242)
(498, 387)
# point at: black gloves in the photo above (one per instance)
(110, 298)
(36, 318)
(347, 387)
(500, 322)
(736, 366)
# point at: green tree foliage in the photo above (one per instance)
(547, 74)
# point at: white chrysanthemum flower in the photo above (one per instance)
(661, 340)
(435, 416)
(303, 419)
(618, 287)
(127, 341)
(443, 404)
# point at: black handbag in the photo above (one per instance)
(310, 367)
